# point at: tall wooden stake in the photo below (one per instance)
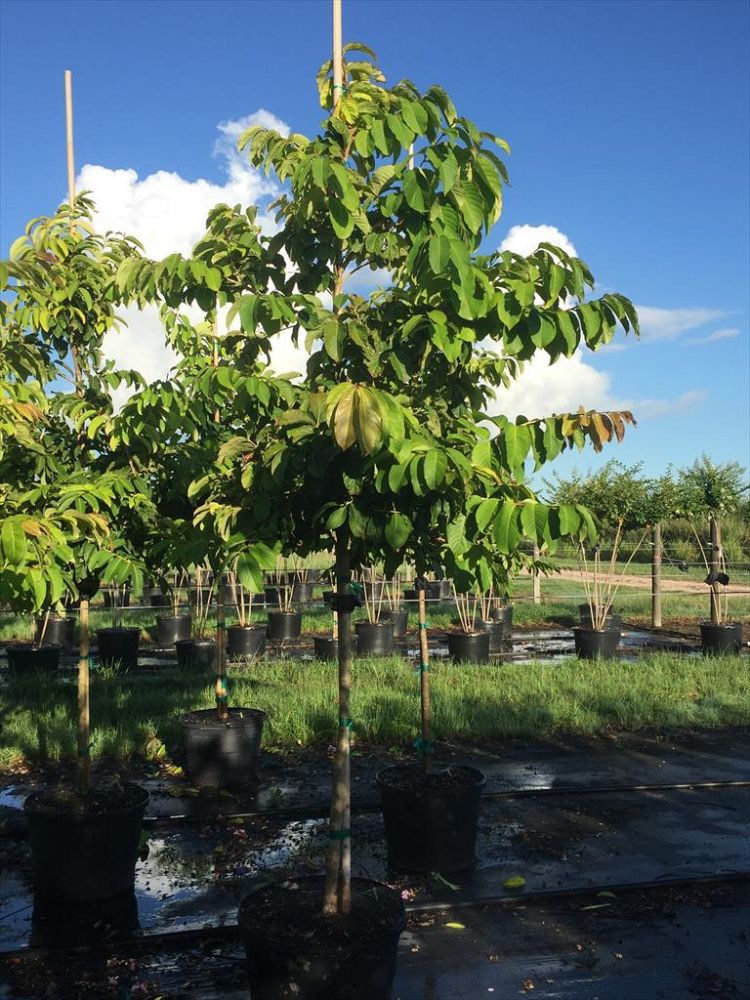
(338, 55)
(84, 696)
(222, 692)
(424, 687)
(536, 580)
(656, 576)
(714, 567)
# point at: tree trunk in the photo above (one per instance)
(337, 894)
(536, 581)
(84, 734)
(714, 568)
(424, 691)
(222, 693)
(656, 576)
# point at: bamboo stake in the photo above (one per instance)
(338, 55)
(424, 686)
(84, 685)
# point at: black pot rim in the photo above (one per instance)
(476, 632)
(173, 618)
(585, 630)
(119, 629)
(478, 779)
(732, 625)
(235, 721)
(31, 800)
(30, 647)
(373, 624)
(314, 947)
(195, 642)
(246, 628)
(279, 612)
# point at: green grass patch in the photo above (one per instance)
(138, 714)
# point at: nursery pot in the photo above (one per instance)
(24, 658)
(595, 644)
(118, 645)
(85, 849)
(59, 630)
(326, 648)
(196, 654)
(496, 632)
(170, 628)
(469, 647)
(116, 599)
(721, 640)
(222, 753)
(157, 599)
(57, 924)
(373, 591)
(612, 621)
(245, 640)
(434, 590)
(503, 614)
(411, 595)
(271, 595)
(284, 625)
(430, 820)
(399, 617)
(302, 593)
(374, 638)
(293, 951)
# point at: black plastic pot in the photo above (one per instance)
(158, 599)
(503, 614)
(116, 598)
(196, 654)
(284, 625)
(222, 754)
(59, 631)
(271, 595)
(80, 925)
(84, 853)
(286, 959)
(230, 593)
(594, 644)
(411, 595)
(327, 596)
(170, 628)
(373, 591)
(469, 647)
(612, 621)
(434, 591)
(399, 617)
(302, 593)
(721, 640)
(430, 821)
(496, 632)
(374, 638)
(245, 640)
(26, 659)
(118, 646)
(326, 648)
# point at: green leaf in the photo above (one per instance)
(341, 220)
(367, 419)
(434, 468)
(528, 519)
(485, 512)
(13, 541)
(397, 530)
(506, 528)
(439, 251)
(416, 191)
(343, 418)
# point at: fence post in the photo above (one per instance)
(715, 566)
(536, 579)
(656, 576)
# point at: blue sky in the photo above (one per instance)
(628, 123)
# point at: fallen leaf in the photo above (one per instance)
(456, 926)
(514, 882)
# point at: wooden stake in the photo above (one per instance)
(656, 577)
(69, 139)
(536, 579)
(84, 721)
(424, 688)
(714, 568)
(338, 55)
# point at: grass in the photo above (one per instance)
(138, 714)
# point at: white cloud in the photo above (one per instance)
(669, 324)
(544, 388)
(725, 334)
(525, 239)
(650, 409)
(167, 213)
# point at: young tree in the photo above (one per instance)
(384, 449)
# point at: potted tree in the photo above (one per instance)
(375, 634)
(79, 493)
(243, 639)
(707, 492)
(382, 447)
(396, 612)
(622, 501)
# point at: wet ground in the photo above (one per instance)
(582, 824)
